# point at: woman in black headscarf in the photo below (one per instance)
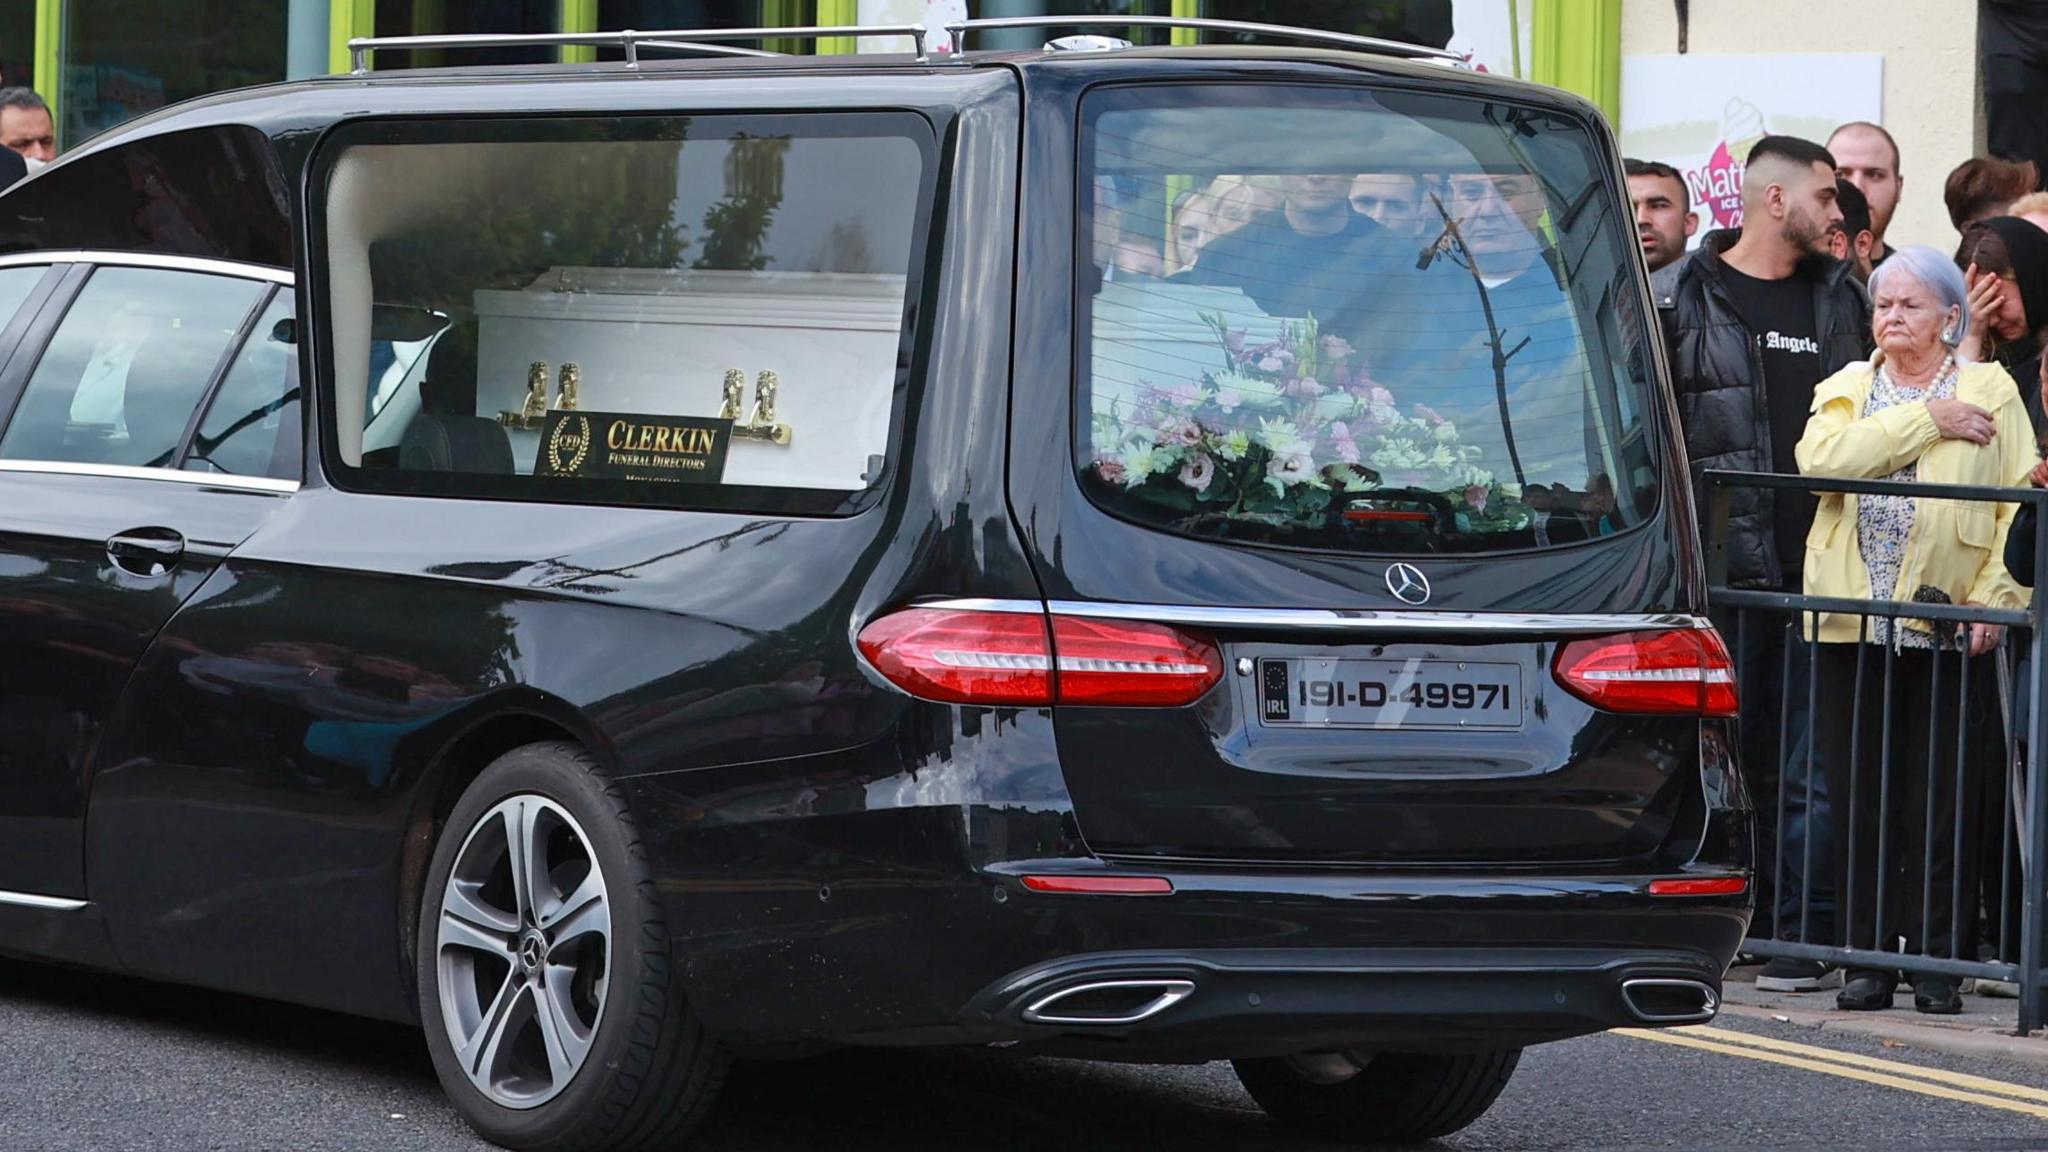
(2005, 262)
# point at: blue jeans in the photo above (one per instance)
(1772, 672)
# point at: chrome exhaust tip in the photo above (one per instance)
(1108, 1002)
(1661, 1000)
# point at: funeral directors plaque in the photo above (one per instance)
(633, 446)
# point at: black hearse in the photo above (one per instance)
(1158, 554)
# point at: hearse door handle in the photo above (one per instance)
(146, 551)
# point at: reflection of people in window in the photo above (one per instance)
(1473, 321)
(1304, 258)
(1224, 206)
(1396, 200)
(1120, 251)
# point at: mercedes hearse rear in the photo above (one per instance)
(1373, 624)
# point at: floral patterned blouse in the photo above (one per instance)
(1884, 522)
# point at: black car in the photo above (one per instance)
(1156, 554)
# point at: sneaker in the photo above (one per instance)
(1785, 974)
(1998, 989)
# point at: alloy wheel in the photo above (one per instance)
(523, 951)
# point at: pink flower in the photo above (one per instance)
(1336, 349)
(1234, 341)
(1180, 431)
(1475, 495)
(1379, 397)
(1197, 472)
(1275, 363)
(1302, 388)
(1340, 437)
(1110, 470)
(1428, 413)
(1179, 394)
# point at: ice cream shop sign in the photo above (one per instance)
(1702, 114)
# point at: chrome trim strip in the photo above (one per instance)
(171, 475)
(1171, 992)
(48, 903)
(1337, 620)
(978, 604)
(150, 260)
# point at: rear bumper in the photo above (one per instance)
(1257, 1002)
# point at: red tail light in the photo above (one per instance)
(1683, 671)
(963, 657)
(978, 657)
(1102, 885)
(1120, 662)
(1701, 886)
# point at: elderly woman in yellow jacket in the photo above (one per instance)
(1912, 413)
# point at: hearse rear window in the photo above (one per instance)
(1366, 322)
(707, 311)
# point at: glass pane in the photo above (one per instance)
(434, 17)
(1425, 22)
(215, 192)
(128, 365)
(15, 285)
(126, 57)
(252, 427)
(1366, 322)
(18, 42)
(658, 278)
(613, 15)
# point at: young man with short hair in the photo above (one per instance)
(1757, 319)
(1867, 156)
(1853, 239)
(1664, 218)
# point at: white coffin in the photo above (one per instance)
(660, 341)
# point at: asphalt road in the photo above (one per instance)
(100, 1063)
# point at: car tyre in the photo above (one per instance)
(586, 1042)
(1397, 1097)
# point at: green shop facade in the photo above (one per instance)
(101, 62)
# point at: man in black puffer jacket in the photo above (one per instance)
(1754, 321)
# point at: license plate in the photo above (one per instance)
(1308, 692)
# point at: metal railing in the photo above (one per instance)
(1855, 925)
(706, 40)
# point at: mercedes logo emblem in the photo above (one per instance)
(1408, 584)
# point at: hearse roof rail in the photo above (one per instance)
(1266, 31)
(631, 41)
(706, 40)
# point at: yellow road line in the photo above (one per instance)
(1938, 1075)
(1880, 1079)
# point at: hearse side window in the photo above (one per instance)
(703, 312)
(252, 426)
(216, 192)
(127, 367)
(15, 285)
(1364, 322)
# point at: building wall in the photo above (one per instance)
(1930, 74)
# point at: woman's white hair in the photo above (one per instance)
(1937, 273)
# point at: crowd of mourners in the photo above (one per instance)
(1806, 343)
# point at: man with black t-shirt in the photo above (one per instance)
(1756, 320)
(1304, 257)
